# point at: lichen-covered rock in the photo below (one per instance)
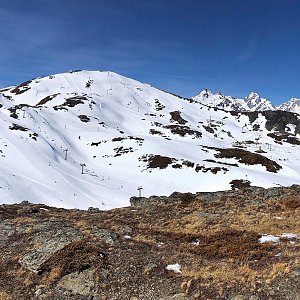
(49, 238)
(6, 230)
(81, 283)
(103, 234)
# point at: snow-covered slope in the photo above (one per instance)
(85, 138)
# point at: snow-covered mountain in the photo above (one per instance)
(219, 100)
(253, 102)
(293, 105)
(91, 138)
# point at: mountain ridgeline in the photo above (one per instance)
(94, 139)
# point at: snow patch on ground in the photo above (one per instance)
(175, 268)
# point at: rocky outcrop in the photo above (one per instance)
(248, 195)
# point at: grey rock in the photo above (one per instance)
(93, 209)
(149, 268)
(103, 234)
(79, 283)
(52, 237)
(7, 229)
(124, 230)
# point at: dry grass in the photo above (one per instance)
(143, 239)
(4, 296)
(52, 276)
(75, 257)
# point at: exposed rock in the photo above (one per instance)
(50, 237)
(247, 194)
(79, 283)
(103, 234)
(6, 230)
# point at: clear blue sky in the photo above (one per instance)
(182, 46)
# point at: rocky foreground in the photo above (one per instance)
(239, 244)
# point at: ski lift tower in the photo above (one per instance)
(140, 191)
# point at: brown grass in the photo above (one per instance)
(75, 257)
(248, 158)
(4, 296)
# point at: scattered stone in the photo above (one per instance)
(149, 268)
(79, 282)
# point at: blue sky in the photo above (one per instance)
(182, 46)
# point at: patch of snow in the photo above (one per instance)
(269, 238)
(175, 268)
(289, 236)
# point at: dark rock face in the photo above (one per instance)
(276, 119)
(213, 239)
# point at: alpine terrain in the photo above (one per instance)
(93, 139)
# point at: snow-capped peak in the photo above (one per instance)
(292, 105)
(255, 102)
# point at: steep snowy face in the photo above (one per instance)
(83, 138)
(255, 103)
(293, 105)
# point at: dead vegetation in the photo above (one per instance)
(157, 161)
(71, 102)
(176, 117)
(18, 127)
(84, 118)
(21, 88)
(248, 158)
(75, 257)
(182, 130)
(46, 99)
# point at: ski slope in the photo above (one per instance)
(85, 139)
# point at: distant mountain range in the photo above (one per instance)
(91, 138)
(252, 102)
